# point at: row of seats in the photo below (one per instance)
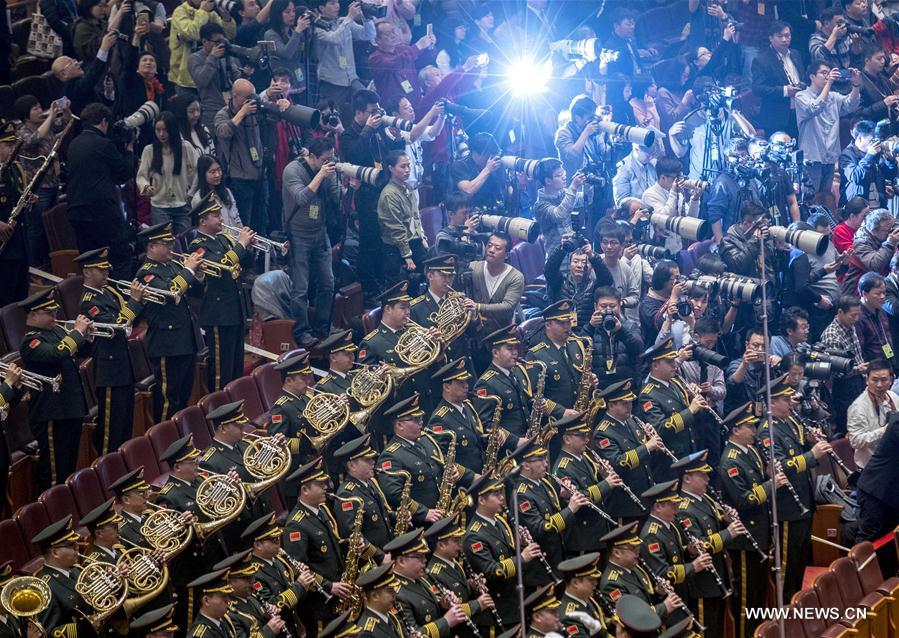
(42, 85)
(851, 582)
(89, 486)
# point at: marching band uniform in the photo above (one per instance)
(379, 345)
(583, 566)
(377, 522)
(10, 626)
(286, 417)
(113, 375)
(129, 528)
(338, 383)
(563, 362)
(372, 623)
(156, 623)
(204, 626)
(618, 581)
(56, 418)
(462, 419)
(418, 601)
(13, 256)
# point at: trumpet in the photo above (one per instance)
(35, 381)
(211, 268)
(262, 244)
(151, 295)
(102, 330)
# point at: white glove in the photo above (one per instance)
(592, 625)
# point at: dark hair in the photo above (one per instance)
(318, 145)
(818, 219)
(661, 274)
(668, 73)
(282, 72)
(777, 26)
(606, 292)
(94, 113)
(327, 103)
(582, 105)
(394, 156)
(829, 14)
(749, 210)
(612, 231)
(23, 105)
(791, 317)
(210, 29)
(698, 292)
(800, 226)
(711, 264)
(363, 98)
(706, 326)
(504, 236)
(814, 67)
(879, 364)
(456, 200)
(392, 105)
(862, 127)
(620, 14)
(854, 206)
(789, 360)
(179, 105)
(870, 52)
(640, 85)
(668, 166)
(545, 169)
(204, 162)
(85, 6)
(171, 127)
(483, 144)
(847, 303)
(869, 281)
(276, 22)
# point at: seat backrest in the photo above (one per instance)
(277, 335)
(354, 303)
(86, 490)
(162, 435)
(844, 450)
(86, 370)
(431, 222)
(268, 383)
(826, 524)
(829, 594)
(245, 388)
(69, 293)
(212, 401)
(847, 578)
(32, 518)
(870, 577)
(371, 319)
(12, 324)
(139, 451)
(7, 101)
(140, 362)
(60, 234)
(808, 599)
(192, 420)
(59, 502)
(110, 468)
(13, 547)
(33, 85)
(530, 259)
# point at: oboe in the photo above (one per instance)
(650, 431)
(611, 473)
(566, 484)
(480, 585)
(731, 512)
(664, 586)
(452, 599)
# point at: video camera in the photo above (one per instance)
(124, 131)
(821, 363)
(885, 133)
(717, 97)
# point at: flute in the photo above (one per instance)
(611, 473)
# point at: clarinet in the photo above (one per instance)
(526, 539)
(792, 490)
(480, 582)
(411, 627)
(732, 514)
(301, 568)
(699, 547)
(650, 432)
(452, 599)
(273, 611)
(818, 434)
(566, 484)
(665, 586)
(611, 473)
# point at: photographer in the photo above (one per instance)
(746, 375)
(612, 241)
(873, 245)
(213, 71)
(740, 250)
(865, 168)
(811, 281)
(579, 141)
(617, 345)
(96, 166)
(239, 143)
(668, 196)
(858, 23)
(425, 130)
(555, 202)
(866, 420)
(80, 84)
(334, 38)
(680, 317)
(585, 273)
(456, 236)
(635, 173)
(480, 174)
(776, 79)
(878, 97)
(311, 194)
(664, 290)
(840, 336)
(795, 326)
(818, 113)
(187, 19)
(830, 45)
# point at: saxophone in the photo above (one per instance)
(538, 404)
(445, 495)
(404, 507)
(585, 389)
(494, 437)
(353, 603)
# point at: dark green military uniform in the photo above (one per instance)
(583, 566)
(793, 450)
(489, 548)
(173, 338)
(55, 417)
(203, 626)
(10, 626)
(286, 417)
(101, 516)
(129, 527)
(377, 521)
(379, 345)
(14, 253)
(334, 383)
(159, 620)
(249, 618)
(621, 444)
(516, 390)
(372, 625)
(113, 376)
(223, 315)
(563, 362)
(464, 422)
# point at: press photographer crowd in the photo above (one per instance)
(590, 313)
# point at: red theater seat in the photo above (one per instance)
(109, 468)
(268, 383)
(277, 335)
(371, 319)
(808, 599)
(13, 547)
(139, 452)
(31, 519)
(192, 420)
(162, 435)
(59, 502)
(878, 620)
(68, 291)
(12, 324)
(210, 402)
(245, 389)
(86, 490)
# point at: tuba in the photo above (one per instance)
(102, 587)
(451, 317)
(265, 459)
(165, 530)
(221, 500)
(26, 597)
(146, 578)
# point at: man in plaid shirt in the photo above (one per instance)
(840, 336)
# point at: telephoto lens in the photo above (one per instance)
(657, 252)
(808, 241)
(705, 355)
(520, 165)
(691, 228)
(743, 288)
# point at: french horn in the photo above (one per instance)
(417, 347)
(146, 577)
(26, 597)
(221, 500)
(265, 459)
(452, 317)
(103, 588)
(164, 529)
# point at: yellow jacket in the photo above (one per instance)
(186, 23)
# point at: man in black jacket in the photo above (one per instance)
(877, 97)
(79, 84)
(878, 500)
(585, 273)
(865, 168)
(776, 79)
(96, 166)
(617, 343)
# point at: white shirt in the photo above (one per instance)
(866, 425)
(491, 282)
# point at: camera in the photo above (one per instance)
(296, 114)
(657, 252)
(332, 120)
(691, 228)
(736, 24)
(608, 321)
(749, 169)
(857, 30)
(697, 184)
(710, 357)
(520, 165)
(743, 288)
(365, 174)
(632, 134)
(457, 110)
(717, 97)
(518, 227)
(124, 131)
(808, 241)
(835, 362)
(397, 122)
(466, 251)
(374, 11)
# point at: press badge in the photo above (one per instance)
(313, 211)
(407, 86)
(378, 165)
(887, 350)
(254, 154)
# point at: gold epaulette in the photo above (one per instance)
(282, 399)
(649, 387)
(441, 411)
(393, 447)
(298, 516)
(435, 568)
(538, 347)
(733, 454)
(488, 375)
(208, 454)
(87, 295)
(166, 488)
(684, 504)
(417, 300)
(612, 574)
(522, 488)
(653, 528)
(563, 463)
(349, 487)
(604, 425)
(475, 526)
(370, 335)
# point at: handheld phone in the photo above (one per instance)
(483, 59)
(845, 74)
(62, 103)
(143, 19)
(430, 29)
